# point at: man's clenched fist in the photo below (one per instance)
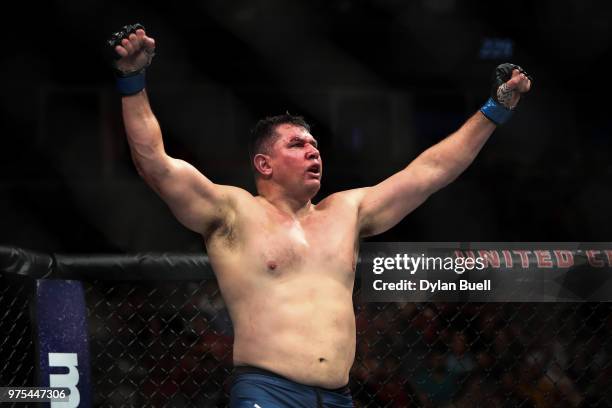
(134, 49)
(509, 82)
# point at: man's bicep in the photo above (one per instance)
(194, 200)
(384, 205)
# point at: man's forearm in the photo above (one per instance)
(143, 132)
(450, 157)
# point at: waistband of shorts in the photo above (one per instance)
(247, 369)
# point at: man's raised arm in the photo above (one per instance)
(195, 201)
(384, 205)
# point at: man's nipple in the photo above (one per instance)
(273, 269)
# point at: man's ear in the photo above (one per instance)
(262, 165)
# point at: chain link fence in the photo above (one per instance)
(16, 338)
(156, 343)
(167, 344)
(159, 343)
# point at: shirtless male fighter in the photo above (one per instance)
(286, 266)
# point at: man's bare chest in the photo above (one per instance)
(295, 244)
(274, 242)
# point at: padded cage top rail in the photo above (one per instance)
(132, 267)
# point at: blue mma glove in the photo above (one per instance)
(498, 107)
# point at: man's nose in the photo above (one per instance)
(312, 153)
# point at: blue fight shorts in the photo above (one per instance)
(257, 388)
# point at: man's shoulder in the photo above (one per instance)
(239, 201)
(346, 198)
(236, 194)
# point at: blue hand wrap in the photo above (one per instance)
(496, 112)
(130, 85)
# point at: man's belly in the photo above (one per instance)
(304, 331)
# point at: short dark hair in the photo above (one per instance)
(265, 128)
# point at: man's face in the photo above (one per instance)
(295, 160)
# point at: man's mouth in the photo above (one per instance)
(314, 169)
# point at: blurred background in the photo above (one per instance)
(380, 81)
